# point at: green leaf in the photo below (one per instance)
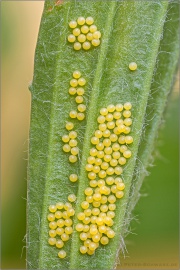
(131, 31)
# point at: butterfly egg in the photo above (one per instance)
(64, 237)
(67, 205)
(83, 236)
(93, 183)
(106, 133)
(106, 142)
(110, 181)
(72, 198)
(95, 42)
(81, 38)
(118, 170)
(110, 171)
(121, 128)
(86, 45)
(84, 29)
(89, 167)
(102, 174)
(52, 208)
(113, 138)
(127, 130)
(118, 180)
(98, 133)
(72, 158)
(68, 222)
(104, 240)
(96, 34)
(87, 212)
(72, 91)
(119, 107)
(70, 212)
(80, 91)
(73, 142)
(52, 233)
(81, 107)
(53, 225)
(89, 20)
(101, 119)
(76, 32)
(113, 162)
(86, 227)
(75, 151)
(104, 165)
(76, 74)
(72, 24)
(59, 231)
(101, 183)
(109, 117)
(110, 233)
(91, 160)
(73, 177)
(127, 105)
(81, 20)
(77, 46)
(51, 217)
(81, 81)
(83, 249)
(79, 227)
(127, 154)
(120, 186)
(73, 82)
(128, 122)
(108, 150)
(111, 108)
(81, 216)
(73, 114)
(91, 175)
(129, 139)
(93, 28)
(60, 205)
(89, 36)
(72, 134)
(89, 199)
(110, 214)
(60, 223)
(80, 116)
(132, 66)
(94, 140)
(58, 214)
(117, 115)
(116, 155)
(107, 158)
(116, 131)
(110, 125)
(126, 114)
(102, 127)
(69, 126)
(62, 254)
(119, 194)
(84, 205)
(52, 241)
(59, 243)
(71, 38)
(122, 139)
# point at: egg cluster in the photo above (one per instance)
(60, 224)
(104, 166)
(70, 140)
(84, 34)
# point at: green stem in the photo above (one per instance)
(131, 31)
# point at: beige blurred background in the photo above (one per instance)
(153, 243)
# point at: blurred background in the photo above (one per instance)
(153, 241)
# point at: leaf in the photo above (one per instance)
(131, 31)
